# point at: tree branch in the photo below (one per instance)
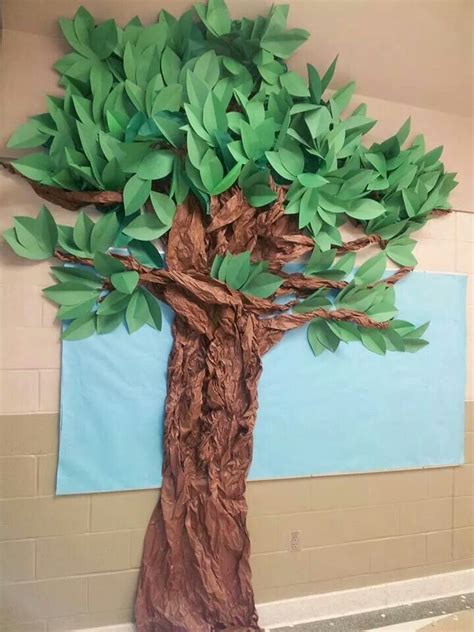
(286, 322)
(198, 286)
(71, 200)
(301, 285)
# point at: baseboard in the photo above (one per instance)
(277, 614)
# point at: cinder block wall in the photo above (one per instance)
(72, 562)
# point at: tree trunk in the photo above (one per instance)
(195, 574)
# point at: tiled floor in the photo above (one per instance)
(450, 614)
(457, 622)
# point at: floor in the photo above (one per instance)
(450, 614)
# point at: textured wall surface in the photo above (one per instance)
(72, 562)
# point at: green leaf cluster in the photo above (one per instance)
(239, 273)
(197, 105)
(33, 238)
(326, 335)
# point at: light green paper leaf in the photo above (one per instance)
(27, 136)
(371, 271)
(285, 43)
(156, 165)
(146, 227)
(77, 273)
(67, 312)
(113, 303)
(137, 312)
(82, 231)
(365, 209)
(105, 324)
(238, 270)
(70, 293)
(155, 317)
(294, 84)
(135, 194)
(125, 282)
(81, 327)
(164, 207)
(263, 285)
(35, 166)
(104, 39)
(104, 233)
(373, 340)
(107, 265)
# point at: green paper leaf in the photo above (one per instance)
(341, 99)
(82, 231)
(104, 39)
(107, 265)
(81, 327)
(145, 253)
(294, 84)
(146, 227)
(67, 312)
(328, 75)
(170, 66)
(46, 231)
(34, 166)
(155, 317)
(263, 285)
(105, 324)
(27, 136)
(70, 293)
(137, 312)
(400, 251)
(125, 282)
(373, 340)
(312, 180)
(113, 303)
(164, 207)
(365, 209)
(156, 165)
(260, 195)
(35, 253)
(313, 340)
(325, 336)
(371, 271)
(77, 273)
(228, 180)
(315, 86)
(276, 162)
(212, 171)
(104, 233)
(284, 44)
(215, 16)
(238, 270)
(135, 194)
(169, 98)
(214, 116)
(412, 345)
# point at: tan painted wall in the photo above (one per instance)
(72, 562)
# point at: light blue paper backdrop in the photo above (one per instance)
(351, 411)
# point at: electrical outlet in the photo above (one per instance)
(295, 540)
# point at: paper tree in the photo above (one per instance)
(193, 139)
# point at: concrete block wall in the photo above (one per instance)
(73, 562)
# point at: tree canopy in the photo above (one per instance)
(204, 107)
